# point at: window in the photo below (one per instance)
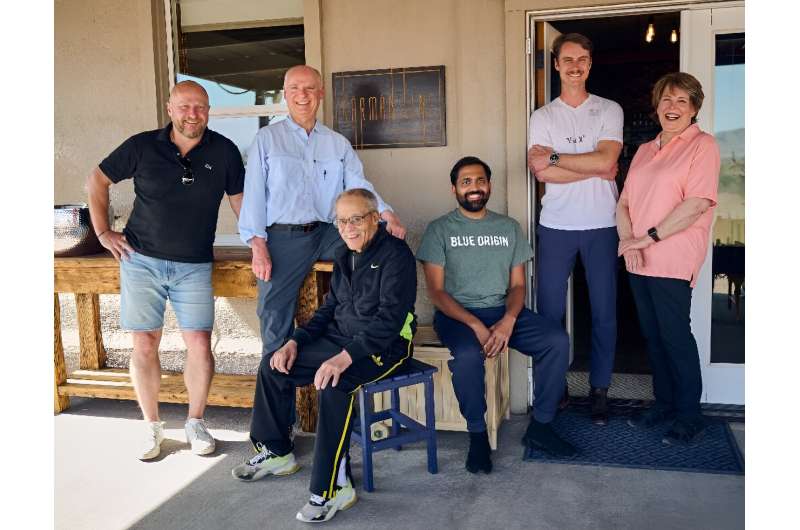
(239, 51)
(728, 265)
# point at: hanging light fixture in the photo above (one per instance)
(651, 31)
(673, 36)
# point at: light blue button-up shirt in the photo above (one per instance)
(293, 177)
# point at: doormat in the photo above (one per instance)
(620, 445)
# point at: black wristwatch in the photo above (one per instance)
(554, 158)
(654, 234)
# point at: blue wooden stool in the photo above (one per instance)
(412, 373)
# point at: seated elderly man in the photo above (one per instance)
(361, 333)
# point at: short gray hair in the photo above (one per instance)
(363, 194)
(300, 67)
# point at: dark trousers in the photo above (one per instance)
(293, 253)
(598, 250)
(273, 407)
(664, 305)
(533, 335)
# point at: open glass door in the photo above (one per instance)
(712, 49)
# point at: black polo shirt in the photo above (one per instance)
(170, 220)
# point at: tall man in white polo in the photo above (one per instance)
(575, 141)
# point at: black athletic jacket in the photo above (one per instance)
(370, 307)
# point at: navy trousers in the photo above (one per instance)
(598, 250)
(663, 306)
(533, 335)
(293, 253)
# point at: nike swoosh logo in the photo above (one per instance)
(373, 266)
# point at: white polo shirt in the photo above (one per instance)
(585, 204)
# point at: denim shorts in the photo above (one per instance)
(146, 283)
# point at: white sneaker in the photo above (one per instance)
(343, 498)
(265, 463)
(151, 442)
(198, 437)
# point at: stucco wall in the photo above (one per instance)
(466, 37)
(105, 89)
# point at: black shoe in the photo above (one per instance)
(542, 436)
(684, 432)
(479, 455)
(598, 397)
(651, 417)
(564, 403)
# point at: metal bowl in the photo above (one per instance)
(73, 234)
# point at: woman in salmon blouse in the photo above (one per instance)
(664, 216)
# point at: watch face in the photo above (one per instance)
(553, 158)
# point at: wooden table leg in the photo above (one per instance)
(307, 302)
(61, 402)
(93, 354)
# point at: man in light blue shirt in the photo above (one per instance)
(295, 170)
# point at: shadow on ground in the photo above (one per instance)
(100, 484)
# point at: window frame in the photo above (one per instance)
(246, 111)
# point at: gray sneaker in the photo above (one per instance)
(265, 463)
(344, 498)
(153, 435)
(198, 437)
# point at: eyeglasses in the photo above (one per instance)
(355, 220)
(188, 177)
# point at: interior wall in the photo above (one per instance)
(105, 89)
(467, 37)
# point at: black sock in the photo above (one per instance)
(542, 436)
(479, 455)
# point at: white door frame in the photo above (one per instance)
(722, 382)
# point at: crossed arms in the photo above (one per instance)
(601, 162)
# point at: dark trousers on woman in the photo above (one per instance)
(598, 249)
(273, 406)
(533, 335)
(664, 306)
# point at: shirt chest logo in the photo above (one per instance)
(479, 241)
(576, 139)
(208, 166)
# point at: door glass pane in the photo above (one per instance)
(728, 300)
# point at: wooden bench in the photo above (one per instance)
(428, 349)
(89, 276)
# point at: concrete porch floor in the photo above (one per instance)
(100, 484)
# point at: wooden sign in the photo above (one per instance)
(397, 107)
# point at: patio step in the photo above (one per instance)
(114, 383)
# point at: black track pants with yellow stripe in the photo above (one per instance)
(274, 399)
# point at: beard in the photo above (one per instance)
(473, 205)
(192, 134)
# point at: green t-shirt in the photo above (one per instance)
(477, 255)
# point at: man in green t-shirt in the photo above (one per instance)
(474, 261)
